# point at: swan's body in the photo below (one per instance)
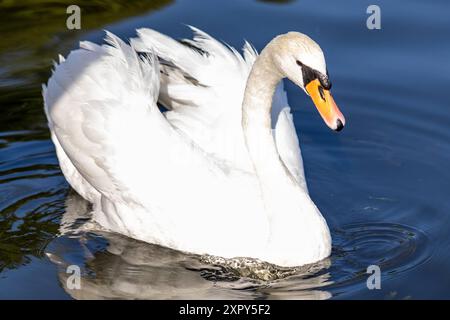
(219, 173)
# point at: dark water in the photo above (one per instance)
(383, 184)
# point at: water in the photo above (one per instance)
(383, 183)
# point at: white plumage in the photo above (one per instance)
(186, 178)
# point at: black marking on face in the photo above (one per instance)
(309, 74)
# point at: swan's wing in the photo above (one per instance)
(75, 179)
(82, 100)
(202, 73)
(101, 106)
(72, 175)
(202, 84)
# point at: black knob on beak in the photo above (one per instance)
(339, 125)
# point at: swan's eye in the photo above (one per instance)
(325, 81)
(310, 74)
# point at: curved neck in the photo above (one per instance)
(298, 233)
(279, 188)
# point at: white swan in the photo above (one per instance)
(220, 172)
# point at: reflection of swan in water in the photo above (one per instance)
(114, 266)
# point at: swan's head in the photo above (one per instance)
(301, 60)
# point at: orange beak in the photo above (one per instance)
(324, 102)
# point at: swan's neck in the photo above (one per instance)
(257, 126)
(298, 232)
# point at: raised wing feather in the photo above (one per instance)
(203, 84)
(101, 106)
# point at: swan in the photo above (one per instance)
(216, 168)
